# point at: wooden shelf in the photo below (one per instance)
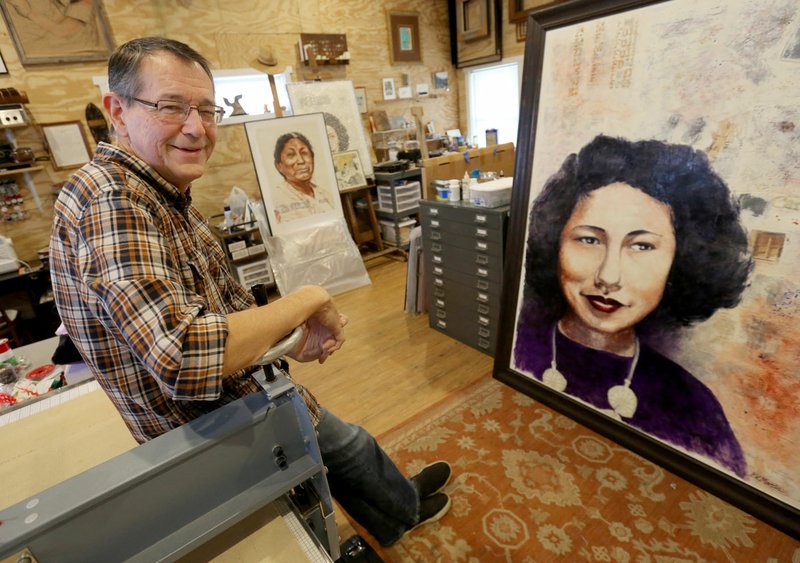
(18, 171)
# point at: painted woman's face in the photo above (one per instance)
(297, 163)
(615, 254)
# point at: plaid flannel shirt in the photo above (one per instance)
(143, 289)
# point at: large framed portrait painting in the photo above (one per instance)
(653, 259)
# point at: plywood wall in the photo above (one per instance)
(230, 34)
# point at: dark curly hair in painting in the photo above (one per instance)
(711, 264)
(343, 138)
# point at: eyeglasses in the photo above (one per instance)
(178, 112)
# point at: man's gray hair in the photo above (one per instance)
(123, 65)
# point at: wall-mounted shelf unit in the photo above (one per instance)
(324, 49)
(23, 170)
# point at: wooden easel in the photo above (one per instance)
(372, 234)
(416, 111)
(267, 58)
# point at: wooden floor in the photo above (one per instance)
(393, 364)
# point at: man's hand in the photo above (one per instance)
(323, 334)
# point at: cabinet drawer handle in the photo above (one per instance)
(483, 320)
(438, 282)
(482, 259)
(438, 270)
(483, 309)
(438, 292)
(483, 343)
(440, 303)
(435, 223)
(481, 245)
(480, 219)
(433, 211)
(485, 332)
(483, 233)
(436, 247)
(441, 314)
(437, 259)
(436, 235)
(441, 324)
(483, 297)
(482, 272)
(482, 284)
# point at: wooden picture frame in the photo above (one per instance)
(46, 32)
(567, 85)
(66, 141)
(349, 172)
(518, 10)
(404, 37)
(472, 19)
(361, 99)
(476, 33)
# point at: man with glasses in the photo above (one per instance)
(143, 290)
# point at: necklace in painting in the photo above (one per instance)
(622, 399)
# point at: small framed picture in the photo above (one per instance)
(67, 144)
(440, 81)
(349, 173)
(361, 99)
(405, 92)
(3, 69)
(404, 34)
(389, 92)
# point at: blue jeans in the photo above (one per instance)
(364, 481)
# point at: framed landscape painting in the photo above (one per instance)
(653, 263)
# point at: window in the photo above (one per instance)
(253, 88)
(251, 84)
(493, 93)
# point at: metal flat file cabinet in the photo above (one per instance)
(463, 248)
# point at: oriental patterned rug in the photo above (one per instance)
(530, 485)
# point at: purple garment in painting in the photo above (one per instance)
(673, 405)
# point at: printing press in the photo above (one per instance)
(165, 498)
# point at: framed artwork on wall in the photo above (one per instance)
(361, 99)
(67, 144)
(295, 171)
(669, 329)
(472, 18)
(404, 39)
(476, 35)
(3, 68)
(389, 91)
(336, 99)
(518, 10)
(55, 32)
